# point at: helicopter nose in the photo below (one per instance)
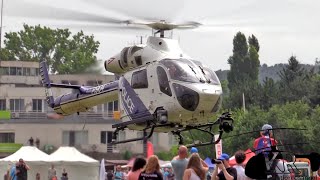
(211, 100)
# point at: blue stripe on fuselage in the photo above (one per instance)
(131, 102)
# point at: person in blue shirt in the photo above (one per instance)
(165, 173)
(118, 175)
(13, 175)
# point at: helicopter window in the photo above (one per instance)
(163, 81)
(211, 75)
(134, 49)
(138, 60)
(187, 98)
(124, 55)
(139, 79)
(181, 69)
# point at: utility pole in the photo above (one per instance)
(1, 25)
(145, 143)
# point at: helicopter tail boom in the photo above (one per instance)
(81, 98)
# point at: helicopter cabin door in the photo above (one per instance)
(143, 82)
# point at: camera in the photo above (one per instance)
(215, 161)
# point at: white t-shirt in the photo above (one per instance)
(281, 169)
(240, 173)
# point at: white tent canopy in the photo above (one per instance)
(71, 155)
(36, 160)
(78, 165)
(28, 154)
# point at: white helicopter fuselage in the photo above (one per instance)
(190, 97)
(158, 86)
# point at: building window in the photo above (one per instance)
(172, 139)
(140, 135)
(19, 71)
(139, 79)
(6, 137)
(94, 83)
(4, 71)
(115, 105)
(155, 138)
(106, 137)
(34, 71)
(3, 104)
(74, 82)
(110, 107)
(121, 136)
(13, 71)
(74, 138)
(69, 82)
(37, 105)
(26, 71)
(99, 108)
(17, 105)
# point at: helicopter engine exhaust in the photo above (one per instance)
(129, 57)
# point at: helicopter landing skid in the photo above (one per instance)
(225, 122)
(197, 143)
(145, 137)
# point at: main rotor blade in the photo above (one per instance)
(97, 27)
(18, 8)
(273, 129)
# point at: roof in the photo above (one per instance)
(116, 162)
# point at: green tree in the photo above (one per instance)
(268, 93)
(127, 155)
(244, 72)
(253, 41)
(294, 81)
(64, 53)
(168, 155)
(291, 71)
(296, 114)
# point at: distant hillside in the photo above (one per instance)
(265, 71)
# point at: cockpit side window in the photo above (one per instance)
(139, 79)
(163, 81)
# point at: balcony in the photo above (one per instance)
(41, 117)
(9, 147)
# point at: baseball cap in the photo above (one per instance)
(224, 156)
(193, 150)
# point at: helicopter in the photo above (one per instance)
(159, 88)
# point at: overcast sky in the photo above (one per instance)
(283, 27)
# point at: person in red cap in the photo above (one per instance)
(226, 171)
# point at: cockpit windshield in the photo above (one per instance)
(183, 70)
(211, 76)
